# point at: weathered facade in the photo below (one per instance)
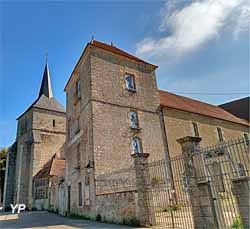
(40, 133)
(114, 113)
(114, 109)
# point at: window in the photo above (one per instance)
(69, 129)
(78, 89)
(130, 82)
(133, 119)
(219, 131)
(241, 170)
(54, 122)
(87, 200)
(78, 155)
(137, 146)
(80, 193)
(41, 193)
(77, 130)
(246, 136)
(196, 130)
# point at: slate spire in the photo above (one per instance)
(46, 88)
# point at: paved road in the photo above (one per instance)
(46, 220)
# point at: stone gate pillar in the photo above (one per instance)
(144, 211)
(241, 190)
(200, 194)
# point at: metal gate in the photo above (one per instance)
(168, 196)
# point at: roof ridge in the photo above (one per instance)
(206, 109)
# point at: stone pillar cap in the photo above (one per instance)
(188, 139)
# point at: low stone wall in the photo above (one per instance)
(117, 207)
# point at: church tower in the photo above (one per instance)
(40, 134)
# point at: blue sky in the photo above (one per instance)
(200, 47)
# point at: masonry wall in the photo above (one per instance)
(179, 124)
(111, 104)
(9, 183)
(79, 141)
(37, 141)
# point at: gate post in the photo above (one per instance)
(144, 212)
(200, 194)
(241, 190)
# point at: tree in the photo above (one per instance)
(3, 155)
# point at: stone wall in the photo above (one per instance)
(116, 207)
(9, 183)
(113, 137)
(40, 134)
(179, 124)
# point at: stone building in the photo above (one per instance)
(40, 134)
(114, 109)
(46, 184)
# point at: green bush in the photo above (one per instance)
(237, 223)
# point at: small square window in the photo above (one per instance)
(137, 145)
(130, 82)
(134, 124)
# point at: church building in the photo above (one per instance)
(40, 134)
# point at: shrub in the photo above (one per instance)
(237, 223)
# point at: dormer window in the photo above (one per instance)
(134, 124)
(130, 82)
(137, 145)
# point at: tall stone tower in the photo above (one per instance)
(112, 111)
(40, 134)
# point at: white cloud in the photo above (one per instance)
(189, 24)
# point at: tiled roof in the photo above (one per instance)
(174, 101)
(118, 51)
(110, 48)
(54, 167)
(57, 167)
(46, 103)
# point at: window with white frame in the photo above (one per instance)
(137, 145)
(130, 82)
(134, 124)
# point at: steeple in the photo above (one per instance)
(46, 88)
